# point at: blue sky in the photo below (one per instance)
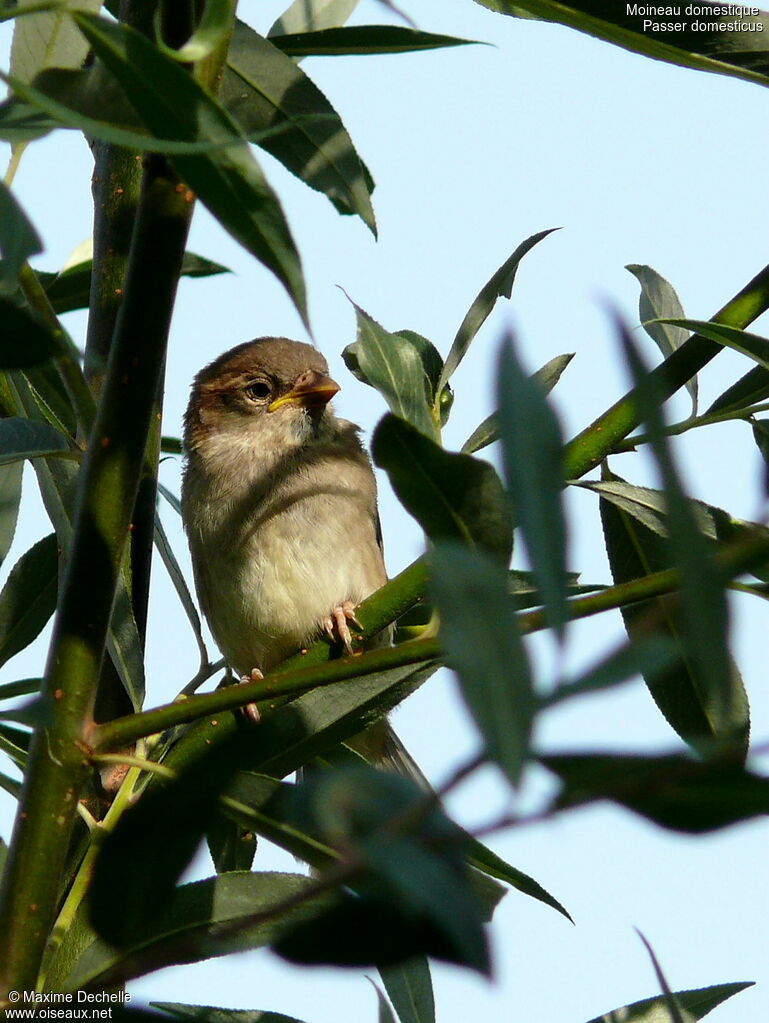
(474, 149)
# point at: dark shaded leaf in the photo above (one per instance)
(211, 32)
(15, 743)
(399, 369)
(22, 122)
(22, 438)
(487, 862)
(229, 913)
(263, 88)
(452, 496)
(704, 612)
(499, 286)
(28, 598)
(751, 345)
(27, 340)
(412, 870)
(410, 989)
(488, 431)
(696, 1003)
(659, 301)
(228, 181)
(386, 1014)
(180, 585)
(13, 788)
(726, 49)
(23, 687)
(70, 289)
(751, 389)
(636, 548)
(362, 39)
(10, 498)
(532, 451)
(232, 846)
(210, 1014)
(484, 646)
(673, 791)
(761, 437)
(18, 238)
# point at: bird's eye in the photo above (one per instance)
(258, 390)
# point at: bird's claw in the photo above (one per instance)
(250, 710)
(335, 625)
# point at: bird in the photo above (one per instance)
(279, 503)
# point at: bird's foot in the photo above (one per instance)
(335, 625)
(250, 710)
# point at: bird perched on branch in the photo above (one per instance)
(279, 504)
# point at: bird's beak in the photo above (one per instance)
(310, 390)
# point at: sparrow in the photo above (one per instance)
(279, 504)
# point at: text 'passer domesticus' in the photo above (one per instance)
(279, 504)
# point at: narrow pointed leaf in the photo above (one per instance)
(671, 1004)
(659, 301)
(729, 48)
(263, 88)
(755, 347)
(485, 648)
(229, 182)
(635, 532)
(410, 990)
(385, 1014)
(180, 585)
(395, 366)
(499, 286)
(697, 1004)
(27, 340)
(488, 431)
(483, 859)
(532, 452)
(28, 598)
(355, 40)
(704, 611)
(750, 389)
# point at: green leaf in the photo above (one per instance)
(28, 598)
(637, 547)
(229, 913)
(755, 347)
(232, 846)
(751, 389)
(211, 32)
(71, 289)
(386, 1014)
(704, 610)
(14, 743)
(727, 48)
(671, 1004)
(488, 431)
(487, 862)
(761, 437)
(659, 301)
(27, 340)
(398, 368)
(312, 15)
(210, 1014)
(24, 438)
(22, 122)
(412, 867)
(499, 286)
(264, 89)
(483, 645)
(697, 1004)
(228, 181)
(532, 452)
(10, 498)
(410, 989)
(18, 238)
(48, 39)
(361, 40)
(452, 496)
(13, 788)
(180, 585)
(674, 791)
(22, 687)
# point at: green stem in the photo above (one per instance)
(630, 443)
(59, 765)
(599, 439)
